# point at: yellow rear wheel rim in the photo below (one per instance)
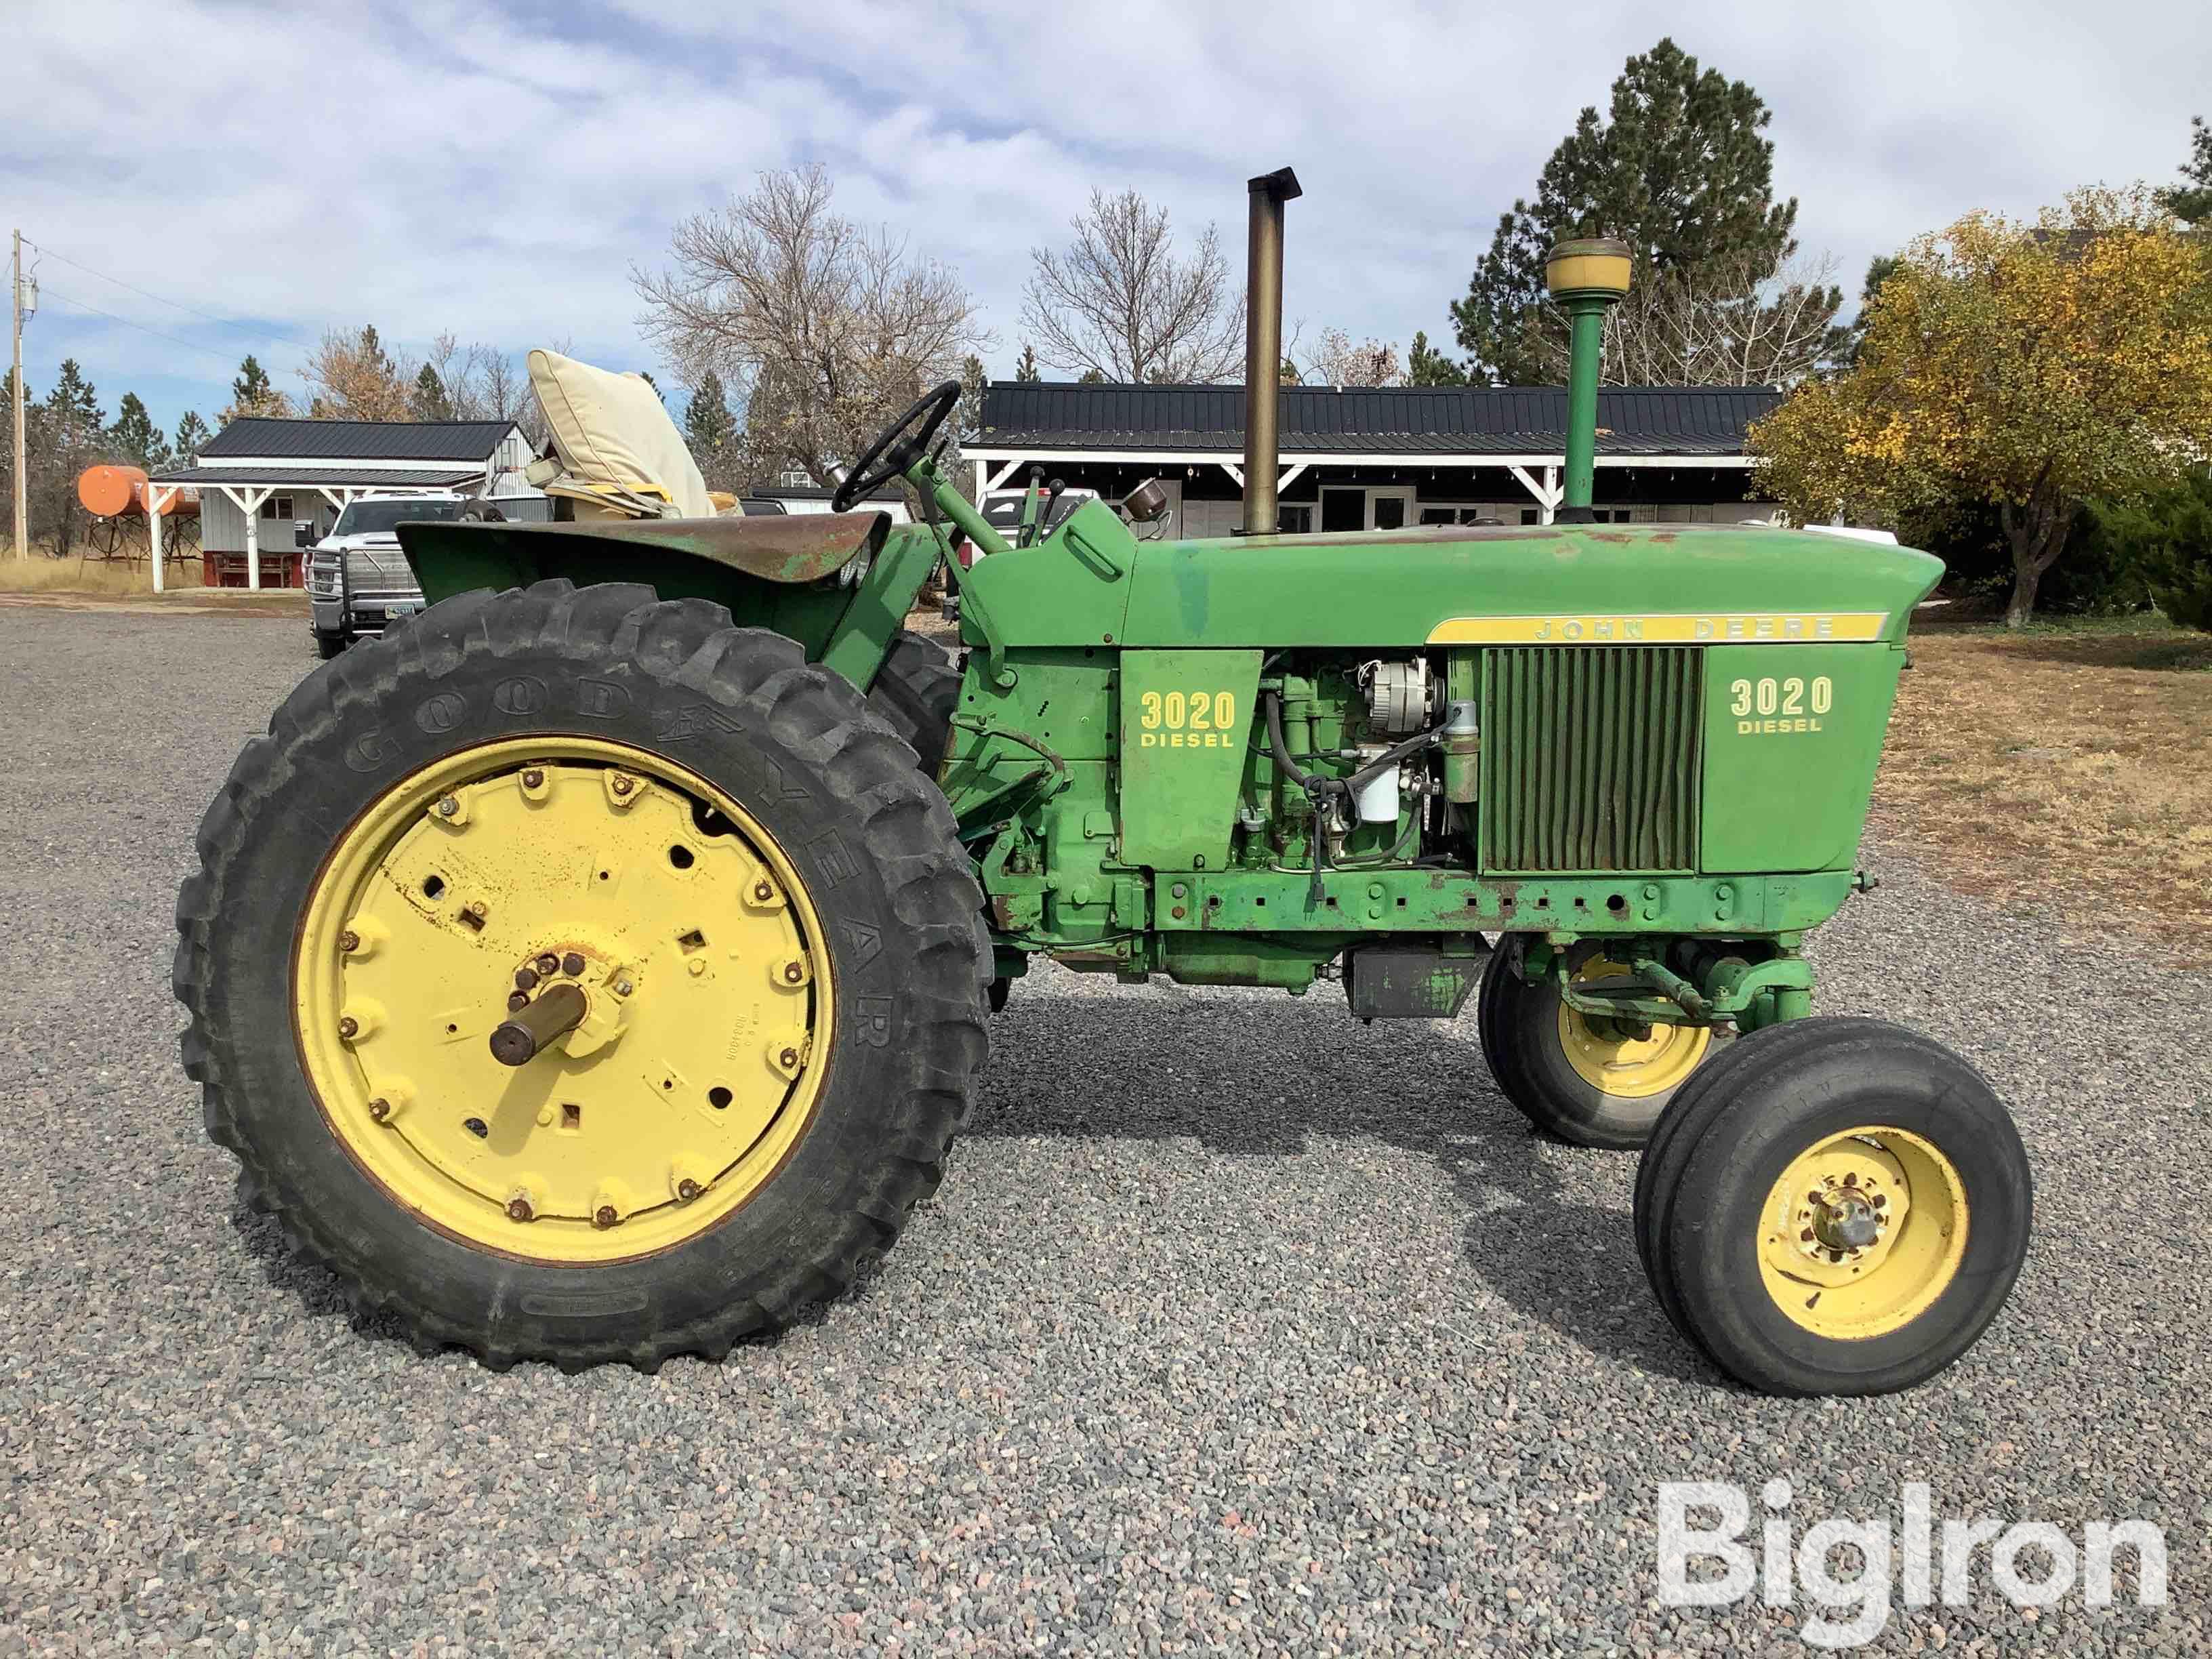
(1918, 1205)
(1617, 1060)
(709, 998)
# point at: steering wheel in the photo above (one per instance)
(895, 449)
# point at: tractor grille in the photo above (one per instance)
(1590, 757)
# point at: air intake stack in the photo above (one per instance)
(1587, 277)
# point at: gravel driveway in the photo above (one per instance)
(1237, 1325)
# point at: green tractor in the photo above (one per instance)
(599, 968)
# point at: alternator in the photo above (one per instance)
(1397, 696)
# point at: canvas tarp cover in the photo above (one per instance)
(612, 429)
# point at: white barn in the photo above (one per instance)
(260, 476)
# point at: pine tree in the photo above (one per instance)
(708, 424)
(192, 436)
(134, 437)
(74, 432)
(251, 393)
(429, 401)
(1426, 366)
(2191, 202)
(1880, 270)
(252, 387)
(1026, 369)
(372, 355)
(1678, 168)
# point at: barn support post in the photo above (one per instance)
(248, 501)
(157, 508)
(1546, 493)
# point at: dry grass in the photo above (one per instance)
(2071, 767)
(43, 574)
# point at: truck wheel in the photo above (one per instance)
(329, 645)
(915, 693)
(578, 977)
(1592, 1081)
(1837, 1207)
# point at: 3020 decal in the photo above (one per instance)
(1776, 703)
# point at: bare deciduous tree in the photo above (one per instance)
(825, 330)
(1117, 303)
(1742, 319)
(1337, 360)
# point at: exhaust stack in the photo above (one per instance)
(1586, 277)
(1263, 345)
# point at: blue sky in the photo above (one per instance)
(497, 171)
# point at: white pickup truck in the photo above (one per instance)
(358, 580)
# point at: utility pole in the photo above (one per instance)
(15, 317)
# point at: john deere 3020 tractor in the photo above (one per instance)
(599, 967)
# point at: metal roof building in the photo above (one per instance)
(262, 475)
(1377, 457)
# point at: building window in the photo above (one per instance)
(1531, 515)
(794, 478)
(276, 507)
(1294, 520)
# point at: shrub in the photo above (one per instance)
(2168, 536)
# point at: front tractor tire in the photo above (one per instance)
(1834, 1206)
(1591, 1081)
(578, 977)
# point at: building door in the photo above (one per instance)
(1343, 508)
(1389, 506)
(1349, 508)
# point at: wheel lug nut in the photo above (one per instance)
(348, 1026)
(572, 964)
(794, 973)
(547, 964)
(348, 940)
(604, 1216)
(526, 979)
(448, 806)
(532, 778)
(516, 1002)
(763, 891)
(379, 1108)
(621, 784)
(788, 1057)
(518, 1209)
(687, 1189)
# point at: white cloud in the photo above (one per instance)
(426, 165)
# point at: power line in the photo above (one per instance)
(67, 299)
(208, 316)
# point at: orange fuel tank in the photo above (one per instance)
(107, 491)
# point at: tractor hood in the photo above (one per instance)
(1657, 584)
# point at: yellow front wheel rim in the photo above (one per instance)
(1862, 1232)
(1621, 1061)
(501, 872)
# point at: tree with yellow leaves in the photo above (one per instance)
(2034, 366)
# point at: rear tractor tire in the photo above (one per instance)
(1834, 1206)
(1592, 1081)
(578, 977)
